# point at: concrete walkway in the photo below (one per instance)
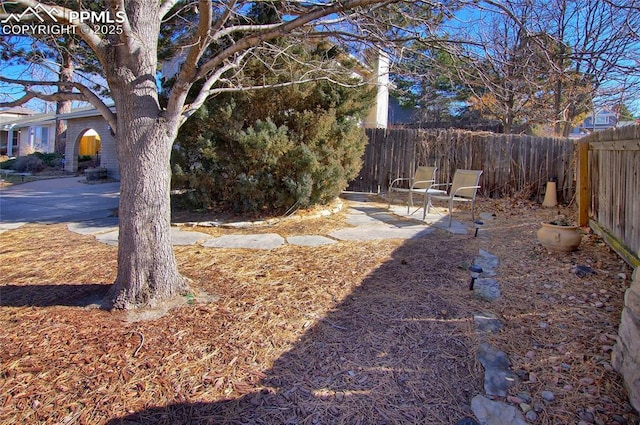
(56, 201)
(88, 210)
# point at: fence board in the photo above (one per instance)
(614, 188)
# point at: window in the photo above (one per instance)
(15, 141)
(40, 139)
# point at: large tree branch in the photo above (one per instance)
(50, 97)
(199, 42)
(205, 91)
(83, 93)
(270, 32)
(166, 6)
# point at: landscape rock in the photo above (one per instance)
(487, 288)
(487, 322)
(497, 376)
(488, 261)
(489, 412)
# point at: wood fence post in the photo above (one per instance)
(583, 191)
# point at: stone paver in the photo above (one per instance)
(310, 240)
(94, 227)
(375, 232)
(88, 210)
(487, 322)
(258, 241)
(491, 412)
(178, 237)
(497, 376)
(10, 226)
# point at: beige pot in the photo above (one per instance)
(559, 238)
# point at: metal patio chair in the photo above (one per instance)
(463, 188)
(420, 183)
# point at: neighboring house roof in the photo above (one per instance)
(85, 111)
(14, 113)
(17, 110)
(40, 119)
(600, 119)
(46, 119)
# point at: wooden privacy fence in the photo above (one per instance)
(609, 189)
(512, 164)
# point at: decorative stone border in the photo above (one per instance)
(336, 207)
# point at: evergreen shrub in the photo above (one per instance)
(271, 150)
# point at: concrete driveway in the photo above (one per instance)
(57, 201)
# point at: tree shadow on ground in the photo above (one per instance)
(397, 350)
(70, 295)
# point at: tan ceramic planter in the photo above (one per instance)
(559, 238)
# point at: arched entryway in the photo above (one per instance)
(89, 149)
(89, 143)
(89, 138)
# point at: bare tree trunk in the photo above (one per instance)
(63, 106)
(147, 268)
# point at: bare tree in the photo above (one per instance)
(596, 55)
(501, 65)
(550, 61)
(210, 41)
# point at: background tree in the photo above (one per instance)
(426, 81)
(595, 58)
(533, 62)
(211, 44)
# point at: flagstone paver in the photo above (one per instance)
(110, 237)
(310, 240)
(367, 223)
(258, 241)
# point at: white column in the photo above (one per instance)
(10, 142)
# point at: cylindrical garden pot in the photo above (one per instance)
(559, 238)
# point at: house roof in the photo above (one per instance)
(44, 119)
(17, 110)
(86, 111)
(28, 121)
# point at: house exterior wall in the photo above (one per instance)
(76, 128)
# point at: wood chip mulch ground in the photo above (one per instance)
(374, 332)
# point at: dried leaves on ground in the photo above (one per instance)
(374, 332)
